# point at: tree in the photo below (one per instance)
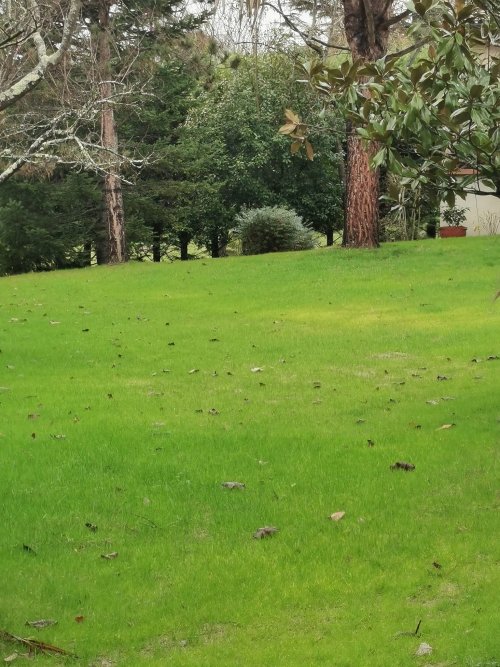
(136, 26)
(234, 127)
(435, 113)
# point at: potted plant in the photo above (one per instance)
(454, 217)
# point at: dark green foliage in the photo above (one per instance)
(235, 128)
(47, 225)
(272, 229)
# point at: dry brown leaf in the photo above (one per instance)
(111, 556)
(11, 657)
(402, 465)
(423, 649)
(233, 485)
(336, 516)
(266, 531)
(309, 150)
(444, 427)
(79, 619)
(42, 623)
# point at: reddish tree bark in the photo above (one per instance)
(366, 24)
(113, 248)
(361, 222)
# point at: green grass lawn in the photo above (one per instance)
(127, 397)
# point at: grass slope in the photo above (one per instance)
(351, 345)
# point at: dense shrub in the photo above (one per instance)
(272, 229)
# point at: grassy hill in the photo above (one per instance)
(129, 394)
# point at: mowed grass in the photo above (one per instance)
(127, 397)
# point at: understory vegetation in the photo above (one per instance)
(130, 394)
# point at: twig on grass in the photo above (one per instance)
(34, 645)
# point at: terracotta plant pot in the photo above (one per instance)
(452, 232)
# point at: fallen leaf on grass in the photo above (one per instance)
(444, 427)
(266, 531)
(442, 378)
(423, 649)
(432, 402)
(370, 443)
(28, 549)
(257, 369)
(91, 526)
(336, 516)
(194, 370)
(54, 322)
(233, 485)
(33, 415)
(111, 556)
(402, 465)
(437, 565)
(213, 411)
(42, 623)
(57, 436)
(11, 657)
(492, 357)
(79, 619)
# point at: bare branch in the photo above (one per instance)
(409, 49)
(307, 38)
(32, 78)
(396, 19)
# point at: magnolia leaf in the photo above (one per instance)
(289, 128)
(292, 117)
(309, 150)
(337, 516)
(444, 427)
(110, 556)
(91, 526)
(295, 147)
(257, 369)
(79, 619)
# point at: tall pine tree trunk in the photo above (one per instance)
(113, 248)
(366, 24)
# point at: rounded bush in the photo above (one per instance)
(272, 229)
